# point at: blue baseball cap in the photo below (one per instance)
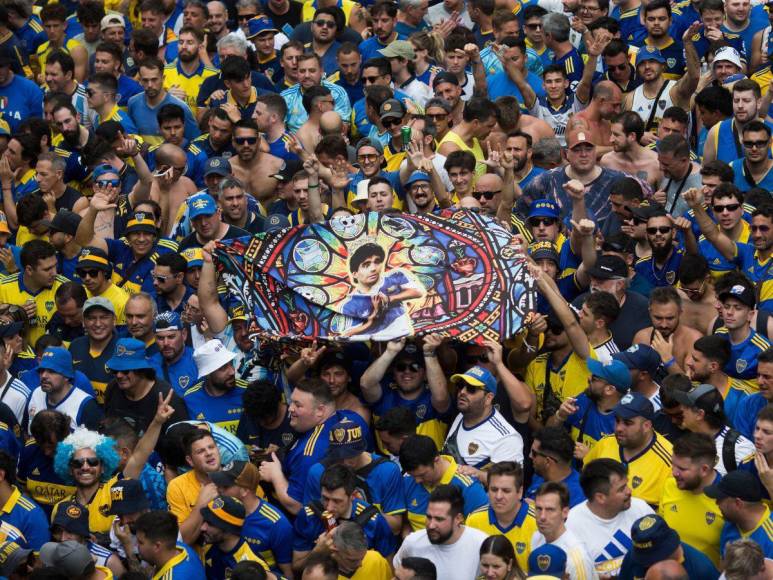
(641, 357)
(276, 222)
(217, 166)
(259, 25)
(345, 441)
(168, 320)
(614, 372)
(72, 517)
(415, 177)
(57, 359)
(653, 540)
(547, 560)
(477, 376)
(634, 405)
(544, 208)
(649, 53)
(201, 204)
(129, 355)
(103, 169)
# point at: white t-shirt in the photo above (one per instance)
(579, 564)
(490, 441)
(743, 448)
(457, 561)
(607, 541)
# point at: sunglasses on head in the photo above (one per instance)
(108, 182)
(88, 273)
(728, 207)
(247, 140)
(658, 230)
(488, 195)
(545, 221)
(403, 367)
(78, 463)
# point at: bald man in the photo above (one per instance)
(330, 123)
(667, 570)
(218, 19)
(597, 117)
(170, 187)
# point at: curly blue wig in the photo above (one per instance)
(82, 438)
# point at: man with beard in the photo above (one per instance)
(724, 140)
(208, 225)
(269, 115)
(252, 166)
(103, 100)
(478, 120)
(384, 16)
(91, 352)
(753, 169)
(657, 21)
(60, 78)
(67, 120)
(61, 232)
(108, 58)
(427, 192)
(57, 391)
(696, 287)
(619, 68)
(172, 292)
(679, 174)
(218, 142)
(445, 532)
(324, 28)
(184, 77)
(627, 154)
(552, 454)
(217, 397)
(668, 335)
(221, 530)
(134, 393)
(659, 268)
(178, 366)
(94, 270)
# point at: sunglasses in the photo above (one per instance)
(108, 182)
(471, 389)
(367, 80)
(325, 23)
(78, 463)
(438, 116)
(535, 453)
(693, 291)
(391, 122)
(88, 273)
(367, 157)
(537, 222)
(161, 279)
(403, 367)
(488, 195)
(763, 229)
(724, 208)
(555, 329)
(535, 26)
(620, 67)
(246, 16)
(90, 92)
(756, 144)
(659, 230)
(247, 140)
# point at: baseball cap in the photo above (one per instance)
(237, 312)
(741, 292)
(578, 137)
(609, 268)
(92, 257)
(416, 177)
(57, 359)
(128, 497)
(141, 222)
(129, 355)
(241, 473)
(194, 257)
(72, 517)
(653, 540)
(640, 357)
(110, 20)
(276, 222)
(477, 376)
(634, 405)
(445, 77)
(410, 354)
(211, 355)
(547, 560)
(345, 441)
(391, 109)
(728, 54)
(398, 49)
(649, 53)
(201, 204)
(704, 397)
(368, 142)
(614, 372)
(12, 556)
(8, 329)
(225, 513)
(544, 208)
(289, 168)
(70, 558)
(103, 169)
(259, 25)
(738, 484)
(217, 166)
(168, 320)
(544, 250)
(335, 358)
(645, 210)
(64, 221)
(98, 302)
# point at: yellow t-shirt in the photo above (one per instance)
(45, 49)
(393, 157)
(175, 78)
(310, 7)
(100, 519)
(568, 380)
(374, 567)
(647, 472)
(519, 532)
(13, 291)
(696, 517)
(181, 495)
(118, 297)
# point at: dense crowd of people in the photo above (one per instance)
(148, 430)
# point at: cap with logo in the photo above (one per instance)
(653, 540)
(704, 397)
(211, 355)
(613, 372)
(201, 204)
(128, 497)
(727, 54)
(217, 166)
(335, 358)
(276, 222)
(649, 53)
(111, 19)
(739, 484)
(237, 312)
(225, 513)
(70, 558)
(99, 302)
(548, 560)
(12, 556)
(72, 517)
(345, 441)
(259, 25)
(93, 257)
(194, 257)
(129, 355)
(544, 208)
(578, 137)
(241, 473)
(609, 268)
(103, 169)
(398, 49)
(392, 109)
(641, 357)
(634, 405)
(544, 250)
(64, 221)
(168, 320)
(477, 376)
(409, 354)
(141, 222)
(57, 359)
(289, 168)
(742, 292)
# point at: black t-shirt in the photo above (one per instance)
(632, 318)
(191, 241)
(56, 327)
(140, 413)
(68, 198)
(253, 435)
(292, 17)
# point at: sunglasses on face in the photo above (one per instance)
(617, 66)
(90, 92)
(108, 182)
(755, 144)
(535, 453)
(659, 230)
(471, 389)
(403, 367)
(88, 273)
(246, 16)
(534, 26)
(488, 195)
(325, 23)
(555, 329)
(724, 208)
(693, 291)
(367, 157)
(247, 140)
(78, 463)
(391, 122)
(762, 229)
(367, 80)
(537, 222)
(438, 116)
(161, 279)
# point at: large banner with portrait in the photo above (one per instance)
(381, 276)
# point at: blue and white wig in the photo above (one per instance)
(83, 438)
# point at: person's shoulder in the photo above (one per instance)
(639, 507)
(474, 534)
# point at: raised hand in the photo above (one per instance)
(681, 223)
(100, 201)
(494, 351)
(693, 197)
(164, 410)
(432, 342)
(665, 348)
(584, 227)
(575, 189)
(395, 346)
(691, 31)
(311, 354)
(339, 175)
(311, 165)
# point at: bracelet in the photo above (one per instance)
(430, 354)
(669, 362)
(314, 186)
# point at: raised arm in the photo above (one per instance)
(585, 229)
(311, 165)
(214, 313)
(370, 382)
(478, 71)
(711, 231)
(6, 181)
(141, 191)
(85, 236)
(147, 443)
(595, 44)
(517, 76)
(436, 378)
(685, 87)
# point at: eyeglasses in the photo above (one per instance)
(438, 116)
(535, 453)
(488, 195)
(723, 208)
(367, 157)
(762, 229)
(537, 222)
(88, 273)
(247, 140)
(161, 279)
(403, 367)
(391, 122)
(423, 186)
(108, 182)
(756, 144)
(246, 16)
(659, 230)
(325, 23)
(78, 463)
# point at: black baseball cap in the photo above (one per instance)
(72, 517)
(128, 497)
(738, 484)
(445, 77)
(744, 293)
(335, 358)
(288, 170)
(609, 268)
(704, 397)
(64, 221)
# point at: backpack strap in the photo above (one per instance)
(728, 450)
(364, 516)
(318, 509)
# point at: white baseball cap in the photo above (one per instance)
(728, 54)
(212, 355)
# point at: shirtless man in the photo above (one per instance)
(669, 334)
(596, 118)
(696, 288)
(252, 166)
(170, 187)
(510, 118)
(317, 100)
(627, 155)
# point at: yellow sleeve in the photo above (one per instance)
(175, 497)
(594, 453)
